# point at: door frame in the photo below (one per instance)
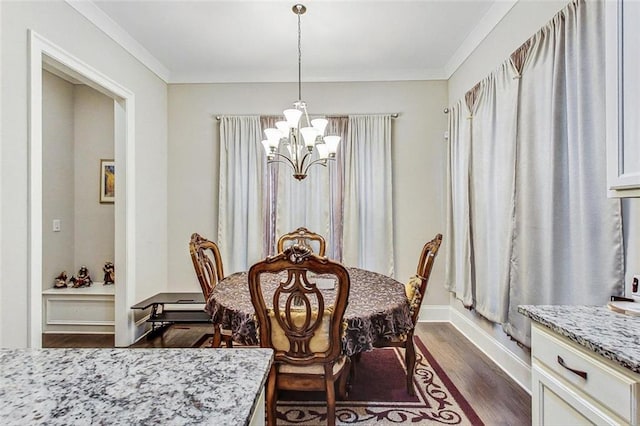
(45, 54)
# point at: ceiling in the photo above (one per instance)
(256, 41)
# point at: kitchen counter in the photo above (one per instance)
(131, 386)
(612, 335)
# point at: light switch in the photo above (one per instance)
(56, 225)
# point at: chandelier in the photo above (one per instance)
(299, 134)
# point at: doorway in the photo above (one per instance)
(46, 55)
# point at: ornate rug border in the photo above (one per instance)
(426, 359)
(455, 393)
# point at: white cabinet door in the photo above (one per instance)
(557, 403)
(623, 97)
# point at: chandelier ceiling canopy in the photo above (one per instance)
(293, 139)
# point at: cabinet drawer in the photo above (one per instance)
(555, 403)
(596, 379)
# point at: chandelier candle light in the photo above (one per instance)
(298, 140)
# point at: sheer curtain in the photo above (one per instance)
(529, 216)
(241, 229)
(368, 204)
(303, 202)
(315, 202)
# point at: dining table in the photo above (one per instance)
(377, 309)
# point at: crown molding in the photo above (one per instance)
(276, 76)
(103, 22)
(488, 22)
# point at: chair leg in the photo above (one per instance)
(331, 400)
(410, 360)
(271, 398)
(354, 359)
(228, 340)
(343, 380)
(217, 336)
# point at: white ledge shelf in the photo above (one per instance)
(96, 289)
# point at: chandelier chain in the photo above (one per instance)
(299, 59)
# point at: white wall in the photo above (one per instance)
(62, 25)
(94, 140)
(57, 177)
(522, 21)
(418, 159)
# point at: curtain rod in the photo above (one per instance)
(393, 115)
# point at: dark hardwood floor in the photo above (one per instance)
(497, 399)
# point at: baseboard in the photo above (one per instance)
(77, 332)
(435, 313)
(141, 328)
(513, 366)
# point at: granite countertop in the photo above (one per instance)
(131, 386)
(610, 334)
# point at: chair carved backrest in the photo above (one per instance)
(207, 262)
(296, 322)
(302, 237)
(417, 285)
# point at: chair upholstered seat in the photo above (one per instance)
(412, 290)
(315, 369)
(394, 339)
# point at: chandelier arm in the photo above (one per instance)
(304, 158)
(289, 162)
(321, 161)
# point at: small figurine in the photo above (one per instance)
(61, 280)
(109, 273)
(83, 279)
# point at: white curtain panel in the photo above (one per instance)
(567, 237)
(529, 221)
(458, 277)
(303, 202)
(492, 187)
(368, 204)
(241, 229)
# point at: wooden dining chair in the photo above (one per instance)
(303, 237)
(304, 331)
(415, 289)
(207, 263)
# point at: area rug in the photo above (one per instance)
(378, 395)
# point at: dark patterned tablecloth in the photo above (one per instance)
(377, 310)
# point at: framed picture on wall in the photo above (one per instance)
(107, 181)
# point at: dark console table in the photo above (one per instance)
(160, 317)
